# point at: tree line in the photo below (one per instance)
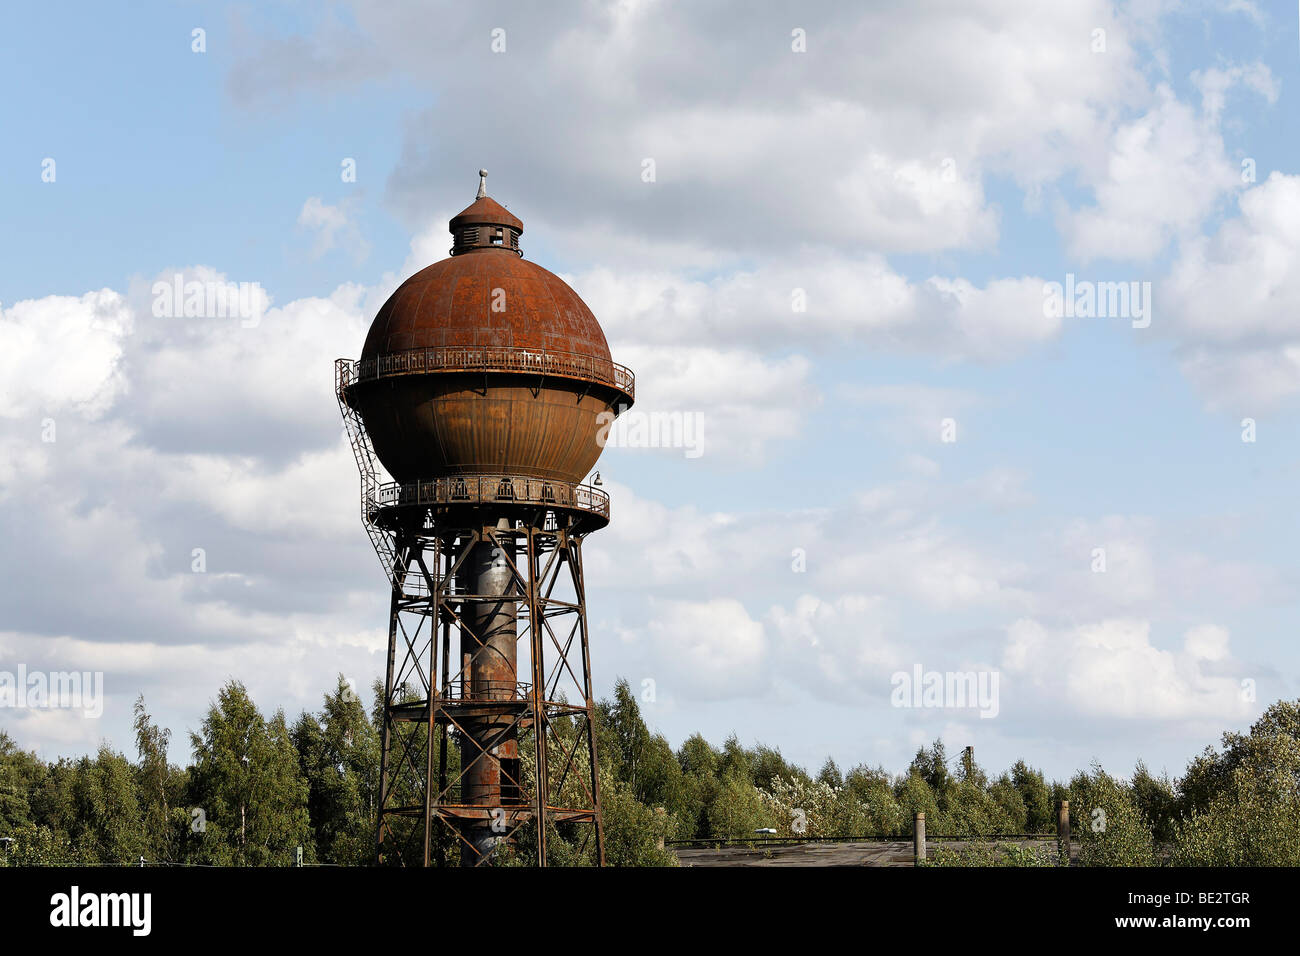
(259, 791)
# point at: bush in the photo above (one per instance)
(1255, 820)
(993, 854)
(1107, 822)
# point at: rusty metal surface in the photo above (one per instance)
(485, 211)
(450, 304)
(430, 426)
(572, 365)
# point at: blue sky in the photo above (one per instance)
(776, 170)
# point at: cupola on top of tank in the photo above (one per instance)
(486, 364)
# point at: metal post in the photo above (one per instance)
(1063, 829)
(580, 587)
(537, 656)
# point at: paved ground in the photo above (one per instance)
(822, 854)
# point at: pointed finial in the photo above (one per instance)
(482, 184)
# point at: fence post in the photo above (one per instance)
(1063, 829)
(918, 838)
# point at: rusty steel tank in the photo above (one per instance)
(487, 364)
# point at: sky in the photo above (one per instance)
(836, 236)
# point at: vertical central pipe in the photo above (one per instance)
(490, 751)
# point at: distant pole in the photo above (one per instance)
(968, 761)
(1063, 829)
(918, 838)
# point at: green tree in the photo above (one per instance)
(338, 751)
(1107, 822)
(624, 738)
(249, 785)
(107, 822)
(737, 810)
(931, 765)
(631, 828)
(830, 774)
(160, 787)
(1156, 799)
(1243, 806)
(21, 773)
(1037, 797)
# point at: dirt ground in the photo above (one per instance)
(821, 854)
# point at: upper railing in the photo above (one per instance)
(573, 365)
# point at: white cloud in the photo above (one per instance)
(1165, 172)
(63, 353)
(707, 649)
(1215, 83)
(836, 646)
(1233, 301)
(820, 302)
(1111, 669)
(334, 227)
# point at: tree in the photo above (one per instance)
(248, 784)
(338, 752)
(1243, 806)
(932, 766)
(1037, 797)
(1106, 819)
(108, 826)
(631, 828)
(20, 773)
(159, 786)
(1156, 800)
(624, 738)
(830, 774)
(737, 809)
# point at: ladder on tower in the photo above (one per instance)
(367, 465)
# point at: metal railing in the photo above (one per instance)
(487, 692)
(493, 489)
(574, 365)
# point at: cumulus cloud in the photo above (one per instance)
(1232, 299)
(1166, 171)
(821, 303)
(708, 649)
(756, 147)
(1112, 669)
(334, 227)
(63, 353)
(837, 646)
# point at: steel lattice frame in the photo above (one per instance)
(419, 796)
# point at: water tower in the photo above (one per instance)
(483, 388)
